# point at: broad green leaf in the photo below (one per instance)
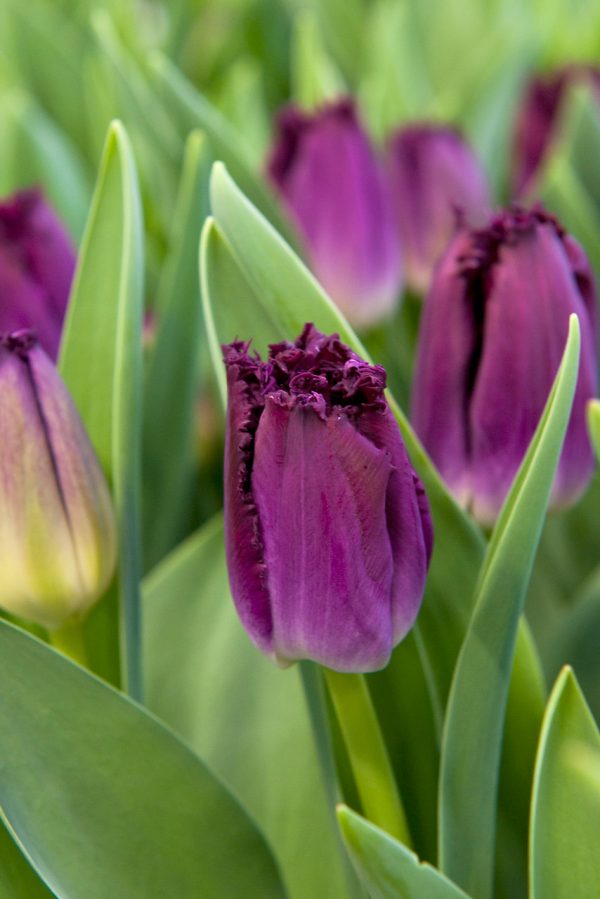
(242, 100)
(100, 361)
(18, 880)
(34, 150)
(104, 800)
(387, 868)
(477, 702)
(280, 297)
(246, 717)
(193, 111)
(314, 77)
(172, 380)
(565, 810)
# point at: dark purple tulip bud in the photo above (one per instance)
(327, 527)
(331, 182)
(494, 328)
(57, 529)
(436, 181)
(37, 261)
(538, 117)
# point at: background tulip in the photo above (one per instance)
(57, 531)
(494, 328)
(37, 261)
(328, 532)
(331, 182)
(435, 180)
(538, 117)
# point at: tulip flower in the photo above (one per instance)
(435, 180)
(57, 531)
(37, 261)
(494, 328)
(538, 118)
(327, 527)
(331, 182)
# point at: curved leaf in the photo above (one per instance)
(247, 718)
(477, 703)
(100, 361)
(565, 810)
(387, 868)
(104, 800)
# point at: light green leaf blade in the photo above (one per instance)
(194, 111)
(314, 76)
(172, 377)
(100, 361)
(387, 868)
(565, 810)
(18, 880)
(105, 800)
(593, 419)
(477, 703)
(247, 718)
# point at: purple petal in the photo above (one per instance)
(436, 181)
(37, 261)
(332, 183)
(447, 342)
(321, 493)
(526, 325)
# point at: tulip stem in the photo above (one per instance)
(367, 753)
(69, 640)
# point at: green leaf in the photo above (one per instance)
(274, 295)
(100, 361)
(172, 381)
(314, 77)
(104, 800)
(36, 151)
(387, 868)
(565, 810)
(18, 880)
(194, 111)
(247, 718)
(477, 703)
(569, 183)
(593, 419)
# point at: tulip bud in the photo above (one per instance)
(329, 178)
(37, 261)
(538, 117)
(435, 181)
(327, 527)
(494, 328)
(57, 531)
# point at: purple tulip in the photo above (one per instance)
(327, 527)
(436, 181)
(37, 261)
(329, 178)
(494, 328)
(538, 117)
(57, 530)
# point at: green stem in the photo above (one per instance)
(367, 753)
(70, 641)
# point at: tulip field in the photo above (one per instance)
(299, 447)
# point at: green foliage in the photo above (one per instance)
(105, 801)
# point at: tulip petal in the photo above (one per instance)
(447, 342)
(527, 312)
(409, 522)
(321, 491)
